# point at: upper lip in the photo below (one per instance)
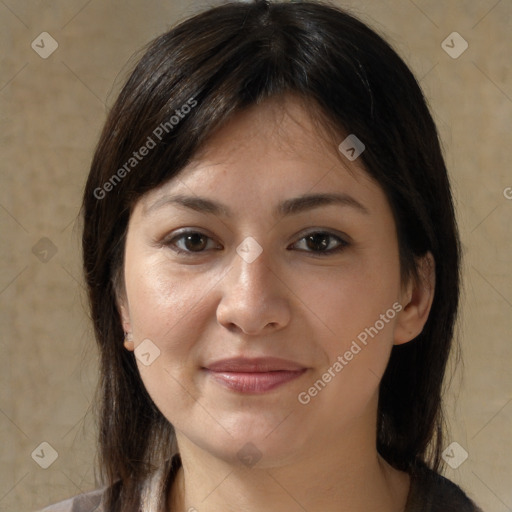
(255, 364)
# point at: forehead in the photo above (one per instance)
(277, 144)
(290, 125)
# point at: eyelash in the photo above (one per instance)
(342, 244)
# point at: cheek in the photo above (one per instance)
(347, 300)
(358, 315)
(171, 311)
(163, 304)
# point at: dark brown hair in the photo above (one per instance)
(218, 63)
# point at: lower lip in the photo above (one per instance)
(255, 382)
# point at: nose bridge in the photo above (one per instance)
(254, 280)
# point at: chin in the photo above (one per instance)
(254, 442)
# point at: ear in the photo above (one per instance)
(124, 313)
(416, 300)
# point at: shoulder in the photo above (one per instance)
(432, 492)
(87, 502)
(153, 490)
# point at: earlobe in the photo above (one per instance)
(128, 341)
(416, 302)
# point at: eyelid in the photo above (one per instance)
(328, 231)
(185, 231)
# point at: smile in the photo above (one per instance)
(254, 375)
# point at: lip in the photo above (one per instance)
(254, 375)
(253, 365)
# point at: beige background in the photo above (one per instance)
(51, 111)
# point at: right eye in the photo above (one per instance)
(190, 242)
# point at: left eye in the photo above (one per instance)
(321, 243)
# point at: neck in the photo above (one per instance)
(343, 473)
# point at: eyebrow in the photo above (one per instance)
(288, 207)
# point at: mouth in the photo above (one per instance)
(254, 376)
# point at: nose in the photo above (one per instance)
(254, 299)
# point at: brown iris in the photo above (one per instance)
(318, 241)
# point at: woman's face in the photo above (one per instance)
(272, 249)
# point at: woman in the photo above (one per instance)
(272, 262)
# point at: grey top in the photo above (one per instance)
(429, 492)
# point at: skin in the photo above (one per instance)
(290, 302)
